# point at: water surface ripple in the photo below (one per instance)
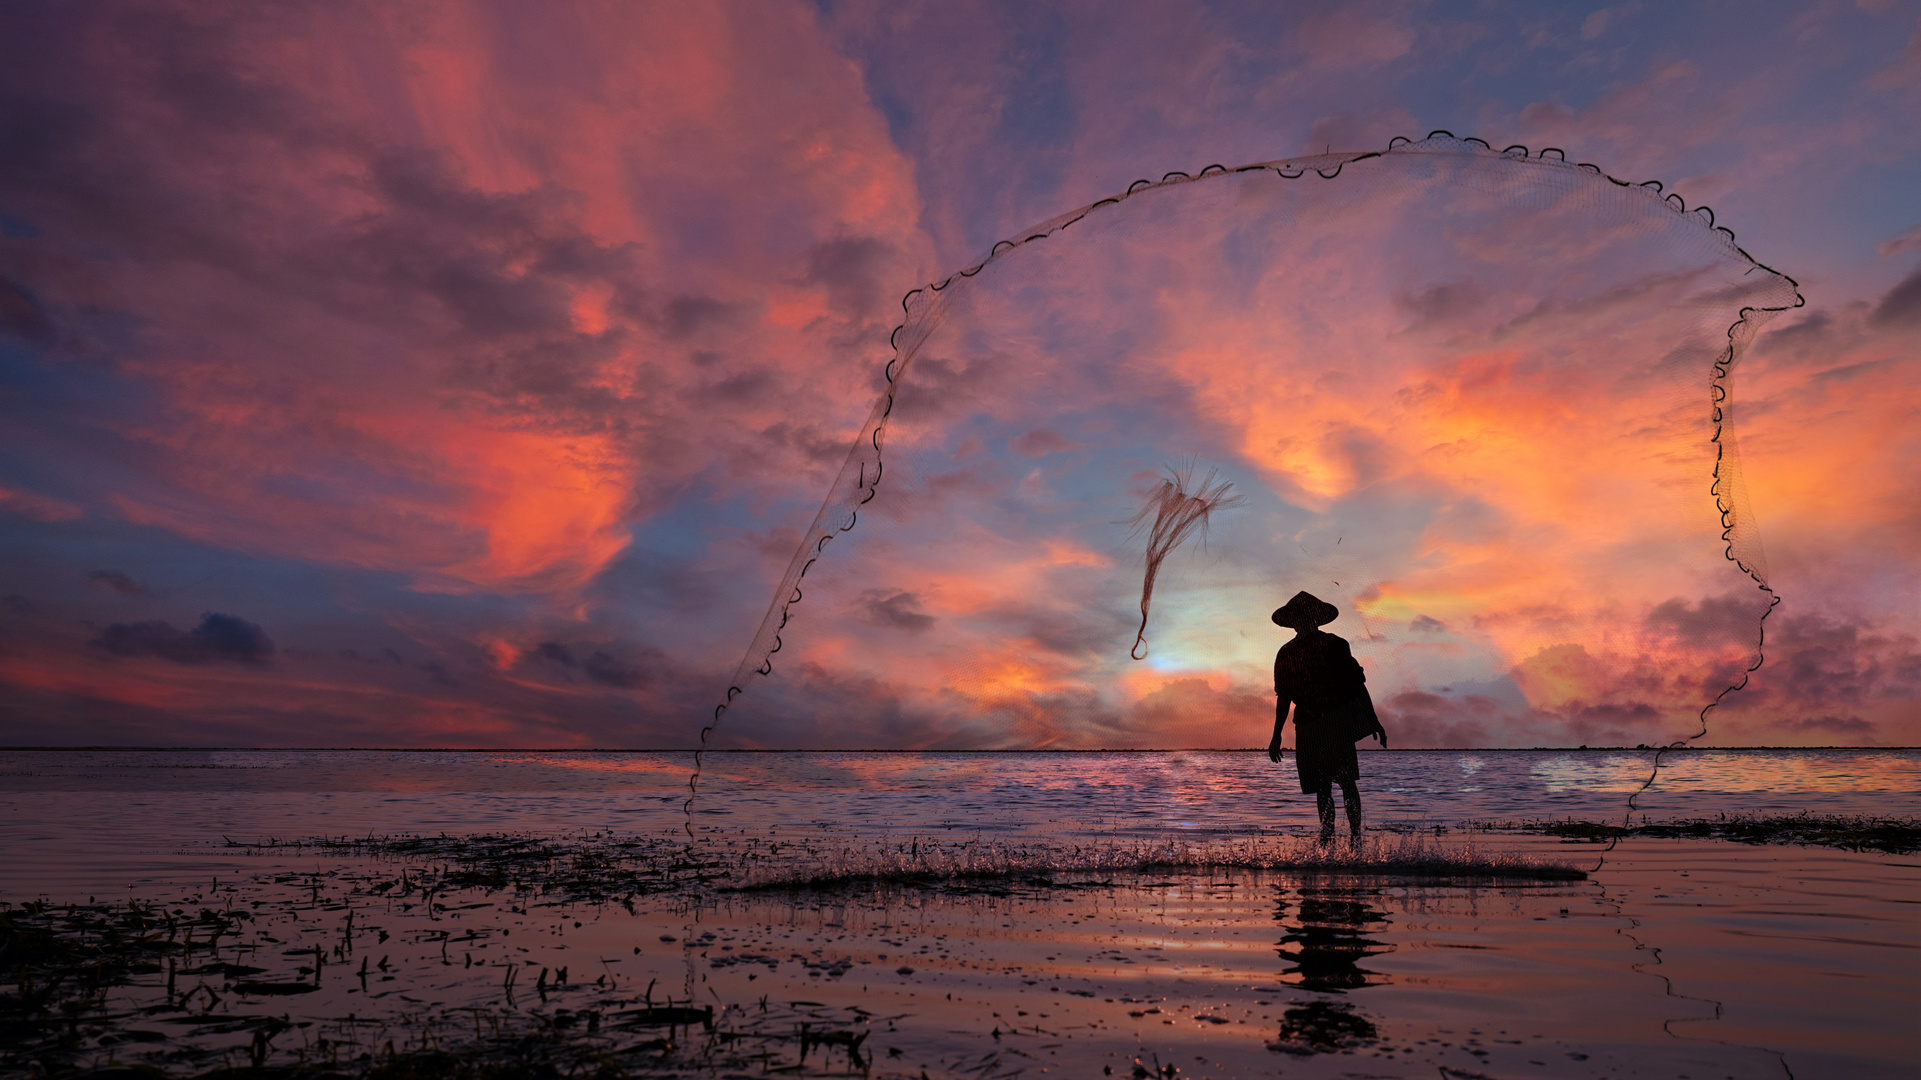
(94, 821)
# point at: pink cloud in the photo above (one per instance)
(430, 310)
(38, 507)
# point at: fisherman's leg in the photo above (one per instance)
(1351, 794)
(1324, 802)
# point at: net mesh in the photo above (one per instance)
(1477, 399)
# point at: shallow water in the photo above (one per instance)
(1765, 957)
(154, 817)
(1681, 958)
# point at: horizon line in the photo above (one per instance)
(880, 750)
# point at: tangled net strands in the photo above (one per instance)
(1482, 273)
(1177, 514)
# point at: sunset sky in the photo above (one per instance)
(468, 374)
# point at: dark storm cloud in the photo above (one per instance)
(1829, 679)
(504, 266)
(217, 638)
(1631, 716)
(608, 671)
(1067, 633)
(1901, 307)
(555, 653)
(550, 368)
(1497, 712)
(1818, 663)
(896, 610)
(1850, 372)
(811, 706)
(1417, 718)
(118, 582)
(70, 151)
(688, 315)
(1041, 442)
(602, 667)
(950, 387)
(745, 387)
(1423, 624)
(22, 316)
(1714, 618)
(1851, 726)
(501, 264)
(810, 441)
(17, 604)
(1811, 331)
(1440, 303)
(851, 270)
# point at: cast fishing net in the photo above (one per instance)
(1477, 399)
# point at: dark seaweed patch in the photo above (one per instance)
(597, 868)
(1848, 832)
(58, 965)
(60, 1015)
(591, 868)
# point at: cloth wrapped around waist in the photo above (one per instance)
(1349, 718)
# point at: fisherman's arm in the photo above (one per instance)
(1280, 720)
(1283, 697)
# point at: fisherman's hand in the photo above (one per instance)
(1381, 734)
(1274, 751)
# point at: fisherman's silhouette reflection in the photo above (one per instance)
(1325, 939)
(1328, 936)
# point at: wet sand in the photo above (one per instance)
(1679, 958)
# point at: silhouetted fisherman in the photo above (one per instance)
(1318, 675)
